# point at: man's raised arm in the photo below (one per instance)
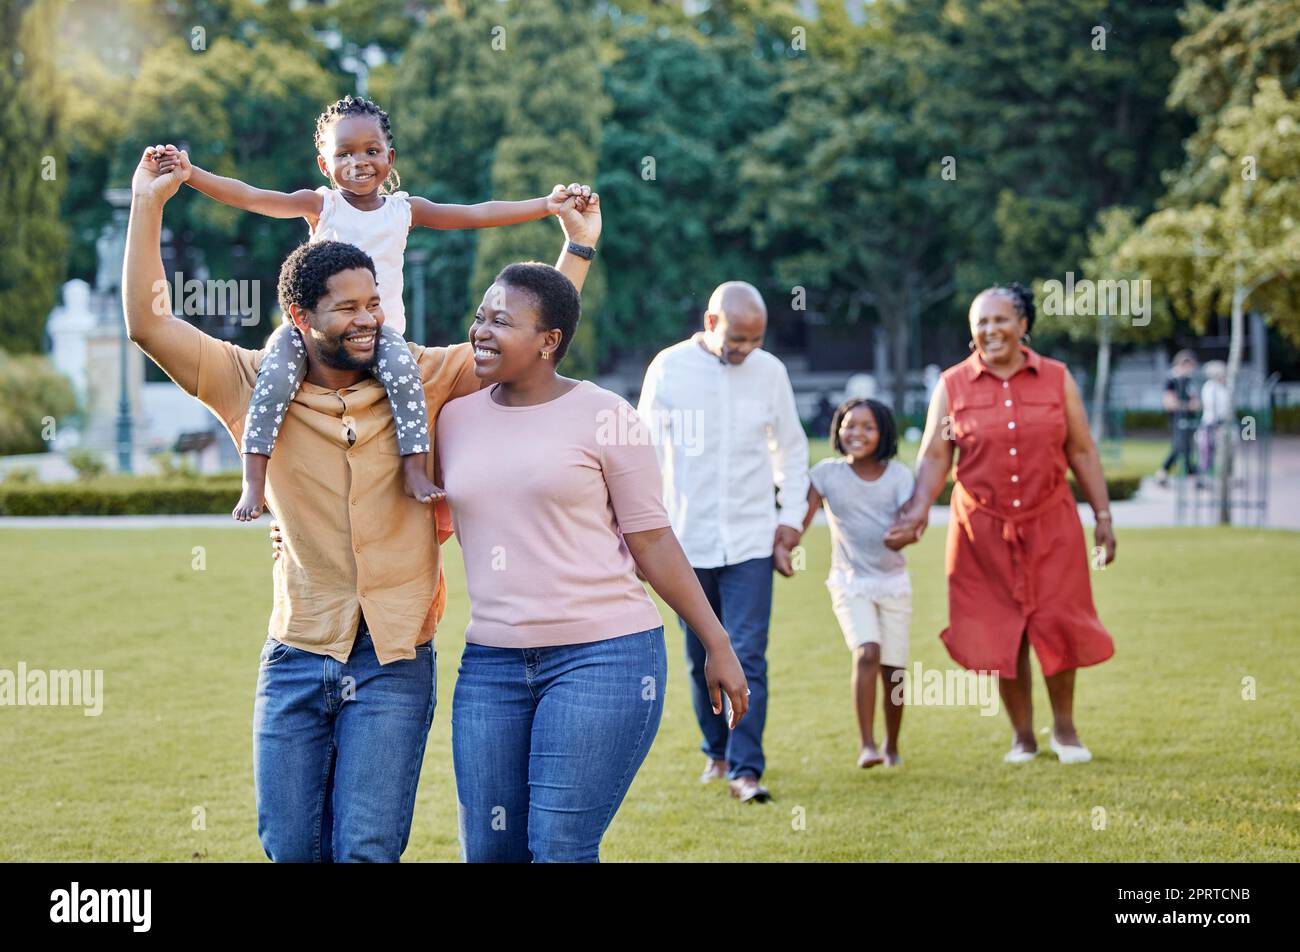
(172, 343)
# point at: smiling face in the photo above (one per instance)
(342, 329)
(858, 433)
(355, 154)
(508, 339)
(996, 328)
(738, 335)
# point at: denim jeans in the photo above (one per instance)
(741, 596)
(546, 742)
(337, 749)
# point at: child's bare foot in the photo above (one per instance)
(417, 484)
(253, 498)
(892, 757)
(249, 506)
(870, 756)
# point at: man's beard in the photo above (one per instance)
(333, 353)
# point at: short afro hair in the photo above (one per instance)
(309, 266)
(887, 447)
(559, 306)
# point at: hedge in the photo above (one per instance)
(141, 497)
(1285, 420)
(144, 497)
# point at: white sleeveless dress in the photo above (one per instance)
(380, 233)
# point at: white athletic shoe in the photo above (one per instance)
(1069, 753)
(1018, 756)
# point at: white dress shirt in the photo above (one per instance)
(725, 435)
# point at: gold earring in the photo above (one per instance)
(545, 355)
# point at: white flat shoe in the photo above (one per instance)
(1017, 756)
(1070, 753)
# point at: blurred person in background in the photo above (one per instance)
(1182, 405)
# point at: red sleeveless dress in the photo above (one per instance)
(1017, 561)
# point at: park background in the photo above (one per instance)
(869, 166)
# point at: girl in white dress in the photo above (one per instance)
(360, 206)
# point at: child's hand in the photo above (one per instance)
(896, 538)
(561, 193)
(902, 533)
(149, 181)
(171, 159)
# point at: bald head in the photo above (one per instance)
(735, 322)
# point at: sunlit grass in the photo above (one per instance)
(1185, 768)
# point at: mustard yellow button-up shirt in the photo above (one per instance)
(353, 540)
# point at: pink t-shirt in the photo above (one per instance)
(539, 497)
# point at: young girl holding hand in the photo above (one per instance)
(871, 592)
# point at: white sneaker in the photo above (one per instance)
(1070, 753)
(1018, 756)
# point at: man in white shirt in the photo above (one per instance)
(726, 431)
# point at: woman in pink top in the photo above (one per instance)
(555, 494)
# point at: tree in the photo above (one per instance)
(1104, 307)
(855, 185)
(1242, 249)
(32, 172)
(1053, 110)
(447, 121)
(684, 108)
(546, 58)
(1221, 59)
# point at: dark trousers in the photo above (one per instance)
(1182, 447)
(741, 596)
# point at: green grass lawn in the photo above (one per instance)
(1185, 769)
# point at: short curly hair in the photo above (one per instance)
(309, 266)
(559, 306)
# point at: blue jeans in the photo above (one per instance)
(337, 750)
(546, 742)
(741, 596)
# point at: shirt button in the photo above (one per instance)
(1015, 479)
(1005, 385)
(354, 500)
(1011, 425)
(1007, 403)
(1013, 451)
(1016, 503)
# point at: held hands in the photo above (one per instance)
(783, 545)
(723, 674)
(578, 209)
(171, 158)
(160, 173)
(908, 527)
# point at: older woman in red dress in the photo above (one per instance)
(1017, 562)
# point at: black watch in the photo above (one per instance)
(582, 251)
